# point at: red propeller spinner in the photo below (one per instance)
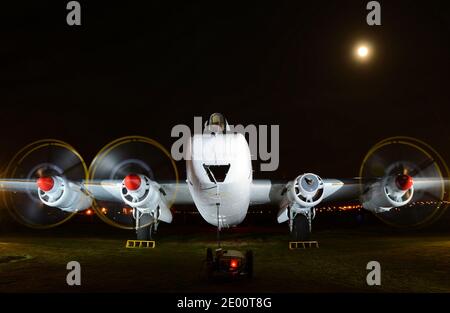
(404, 182)
(45, 183)
(132, 182)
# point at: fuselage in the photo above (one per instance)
(219, 176)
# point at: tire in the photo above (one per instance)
(143, 233)
(249, 263)
(301, 230)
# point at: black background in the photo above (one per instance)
(143, 67)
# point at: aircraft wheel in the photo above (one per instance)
(301, 230)
(143, 233)
(146, 231)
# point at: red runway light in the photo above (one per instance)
(233, 263)
(45, 183)
(132, 182)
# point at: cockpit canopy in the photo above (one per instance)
(216, 124)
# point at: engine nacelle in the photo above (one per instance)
(389, 192)
(301, 195)
(143, 194)
(306, 190)
(57, 192)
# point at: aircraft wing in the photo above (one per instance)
(301, 194)
(135, 191)
(105, 190)
(18, 185)
(110, 190)
(375, 194)
(268, 192)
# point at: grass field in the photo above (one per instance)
(409, 263)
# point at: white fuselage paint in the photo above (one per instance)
(220, 203)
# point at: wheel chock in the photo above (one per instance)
(136, 244)
(302, 244)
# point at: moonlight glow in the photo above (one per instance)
(362, 52)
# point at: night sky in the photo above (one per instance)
(141, 69)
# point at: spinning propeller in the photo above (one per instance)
(39, 166)
(414, 164)
(130, 159)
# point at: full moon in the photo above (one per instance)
(363, 51)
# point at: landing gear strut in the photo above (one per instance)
(300, 225)
(227, 263)
(148, 231)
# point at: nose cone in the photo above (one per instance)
(404, 182)
(132, 182)
(45, 183)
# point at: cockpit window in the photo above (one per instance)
(217, 123)
(216, 173)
